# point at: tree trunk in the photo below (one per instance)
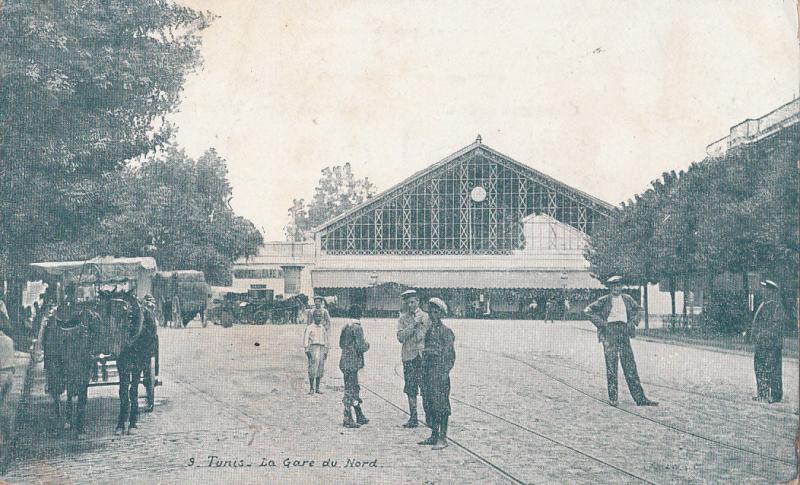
(672, 300)
(672, 294)
(746, 292)
(646, 309)
(684, 305)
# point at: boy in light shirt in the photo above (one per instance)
(315, 342)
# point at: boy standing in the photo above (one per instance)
(353, 346)
(315, 342)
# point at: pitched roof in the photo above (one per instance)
(477, 145)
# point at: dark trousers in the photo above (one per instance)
(617, 348)
(767, 361)
(129, 372)
(352, 391)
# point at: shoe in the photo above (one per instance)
(412, 423)
(349, 423)
(133, 429)
(759, 399)
(613, 402)
(119, 430)
(647, 402)
(360, 418)
(430, 441)
(442, 444)
(318, 391)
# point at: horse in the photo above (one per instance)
(111, 327)
(68, 363)
(133, 359)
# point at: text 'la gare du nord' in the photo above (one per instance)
(217, 462)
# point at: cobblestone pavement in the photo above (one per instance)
(527, 405)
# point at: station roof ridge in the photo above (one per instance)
(477, 144)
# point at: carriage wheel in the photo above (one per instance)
(261, 317)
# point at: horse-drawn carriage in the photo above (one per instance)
(96, 324)
(258, 306)
(181, 296)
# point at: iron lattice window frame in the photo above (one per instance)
(433, 213)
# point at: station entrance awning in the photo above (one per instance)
(478, 279)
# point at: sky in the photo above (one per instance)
(603, 96)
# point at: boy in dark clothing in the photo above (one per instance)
(439, 356)
(353, 346)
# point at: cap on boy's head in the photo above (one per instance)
(318, 298)
(408, 294)
(440, 304)
(355, 312)
(770, 285)
(614, 280)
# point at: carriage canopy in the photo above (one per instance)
(101, 270)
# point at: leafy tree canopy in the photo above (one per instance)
(338, 190)
(177, 209)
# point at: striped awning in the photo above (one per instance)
(478, 279)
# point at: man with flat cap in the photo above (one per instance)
(411, 329)
(615, 315)
(766, 333)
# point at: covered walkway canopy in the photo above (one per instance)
(508, 279)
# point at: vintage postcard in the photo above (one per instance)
(294, 242)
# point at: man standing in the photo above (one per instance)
(353, 346)
(766, 334)
(615, 316)
(326, 317)
(411, 329)
(150, 359)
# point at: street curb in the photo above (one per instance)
(20, 389)
(704, 347)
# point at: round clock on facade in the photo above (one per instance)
(478, 194)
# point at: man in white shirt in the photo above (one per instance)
(412, 326)
(615, 315)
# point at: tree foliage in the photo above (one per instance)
(82, 83)
(83, 86)
(733, 215)
(337, 191)
(177, 209)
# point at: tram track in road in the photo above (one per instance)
(497, 468)
(642, 416)
(519, 426)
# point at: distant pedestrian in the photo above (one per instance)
(439, 356)
(549, 310)
(353, 346)
(411, 329)
(326, 317)
(315, 342)
(615, 316)
(766, 333)
(532, 308)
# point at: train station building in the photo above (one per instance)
(485, 232)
